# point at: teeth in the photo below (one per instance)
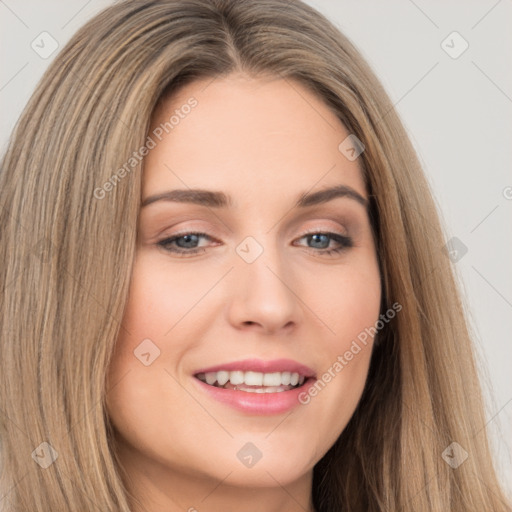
(272, 379)
(211, 378)
(270, 389)
(222, 378)
(269, 380)
(253, 379)
(236, 377)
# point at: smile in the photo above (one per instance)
(256, 386)
(253, 382)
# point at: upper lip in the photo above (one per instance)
(259, 365)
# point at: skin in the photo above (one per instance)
(264, 142)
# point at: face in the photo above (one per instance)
(243, 283)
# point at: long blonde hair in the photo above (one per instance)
(67, 255)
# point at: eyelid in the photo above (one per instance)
(341, 220)
(323, 229)
(191, 226)
(338, 222)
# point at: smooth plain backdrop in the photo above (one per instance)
(446, 66)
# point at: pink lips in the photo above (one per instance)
(259, 403)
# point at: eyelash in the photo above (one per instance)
(344, 241)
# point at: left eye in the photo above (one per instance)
(185, 243)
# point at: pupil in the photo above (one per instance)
(188, 238)
(315, 238)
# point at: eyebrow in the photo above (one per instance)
(216, 199)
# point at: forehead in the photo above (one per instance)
(248, 135)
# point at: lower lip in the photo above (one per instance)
(258, 403)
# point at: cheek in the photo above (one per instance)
(349, 304)
(159, 301)
(348, 300)
(138, 343)
(154, 300)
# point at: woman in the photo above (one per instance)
(142, 373)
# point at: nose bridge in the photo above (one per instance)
(264, 284)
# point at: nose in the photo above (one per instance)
(264, 294)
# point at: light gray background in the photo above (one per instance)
(457, 111)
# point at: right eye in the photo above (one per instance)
(185, 243)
